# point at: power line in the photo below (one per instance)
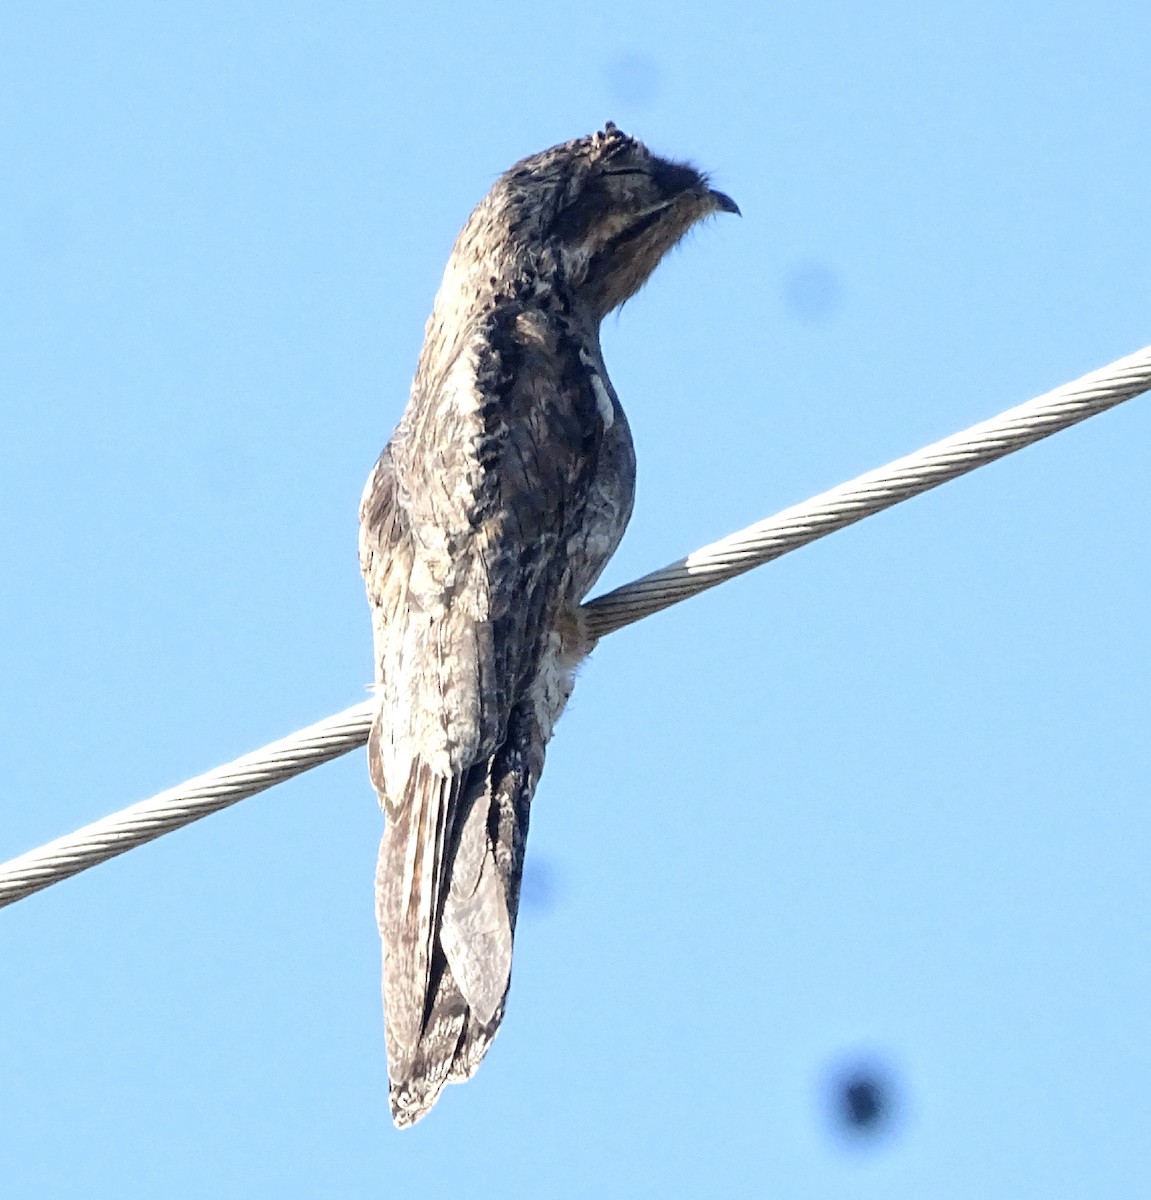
(873, 492)
(705, 568)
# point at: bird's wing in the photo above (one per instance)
(465, 531)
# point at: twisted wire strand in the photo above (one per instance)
(872, 492)
(705, 568)
(185, 803)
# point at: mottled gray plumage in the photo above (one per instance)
(503, 492)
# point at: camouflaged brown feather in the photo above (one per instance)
(503, 492)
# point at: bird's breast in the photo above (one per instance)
(610, 496)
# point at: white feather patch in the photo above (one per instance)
(602, 396)
(603, 401)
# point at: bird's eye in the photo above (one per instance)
(627, 171)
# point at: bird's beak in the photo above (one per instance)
(721, 202)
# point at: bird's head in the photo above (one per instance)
(593, 216)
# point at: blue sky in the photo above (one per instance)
(883, 802)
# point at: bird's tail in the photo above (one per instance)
(471, 953)
(450, 1048)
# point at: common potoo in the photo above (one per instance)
(502, 494)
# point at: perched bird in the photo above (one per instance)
(502, 494)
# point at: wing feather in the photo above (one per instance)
(467, 525)
(408, 899)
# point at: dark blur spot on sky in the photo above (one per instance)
(539, 888)
(861, 1098)
(633, 79)
(812, 291)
